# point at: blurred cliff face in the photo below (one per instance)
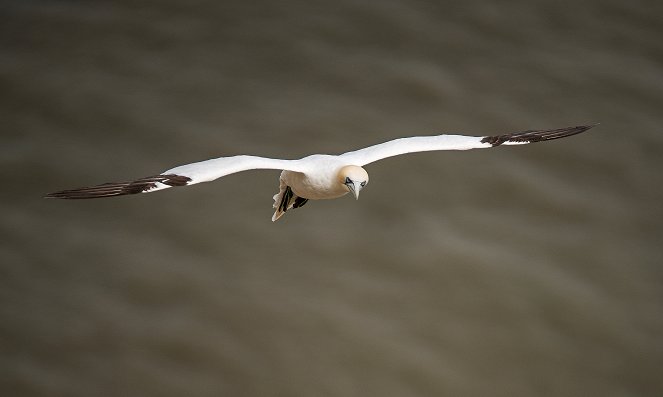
(505, 272)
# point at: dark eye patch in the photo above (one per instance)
(363, 184)
(348, 180)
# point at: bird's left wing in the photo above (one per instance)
(189, 174)
(454, 142)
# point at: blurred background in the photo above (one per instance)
(523, 271)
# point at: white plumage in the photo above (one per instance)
(315, 177)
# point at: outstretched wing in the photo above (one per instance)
(189, 174)
(454, 142)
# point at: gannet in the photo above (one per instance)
(315, 177)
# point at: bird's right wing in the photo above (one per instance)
(400, 146)
(184, 175)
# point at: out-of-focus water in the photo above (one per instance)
(525, 271)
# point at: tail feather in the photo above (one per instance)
(284, 200)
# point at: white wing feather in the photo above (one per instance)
(209, 170)
(400, 146)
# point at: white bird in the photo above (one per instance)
(315, 177)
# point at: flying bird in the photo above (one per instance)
(315, 177)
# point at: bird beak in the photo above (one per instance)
(354, 188)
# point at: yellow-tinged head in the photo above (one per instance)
(354, 178)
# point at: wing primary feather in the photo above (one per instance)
(121, 188)
(530, 136)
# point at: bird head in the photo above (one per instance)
(354, 178)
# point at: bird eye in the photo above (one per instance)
(363, 184)
(348, 180)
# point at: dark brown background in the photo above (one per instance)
(517, 271)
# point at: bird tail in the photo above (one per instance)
(284, 200)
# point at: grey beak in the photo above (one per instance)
(354, 188)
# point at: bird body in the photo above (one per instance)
(314, 185)
(327, 177)
(315, 177)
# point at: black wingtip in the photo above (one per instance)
(530, 136)
(120, 188)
